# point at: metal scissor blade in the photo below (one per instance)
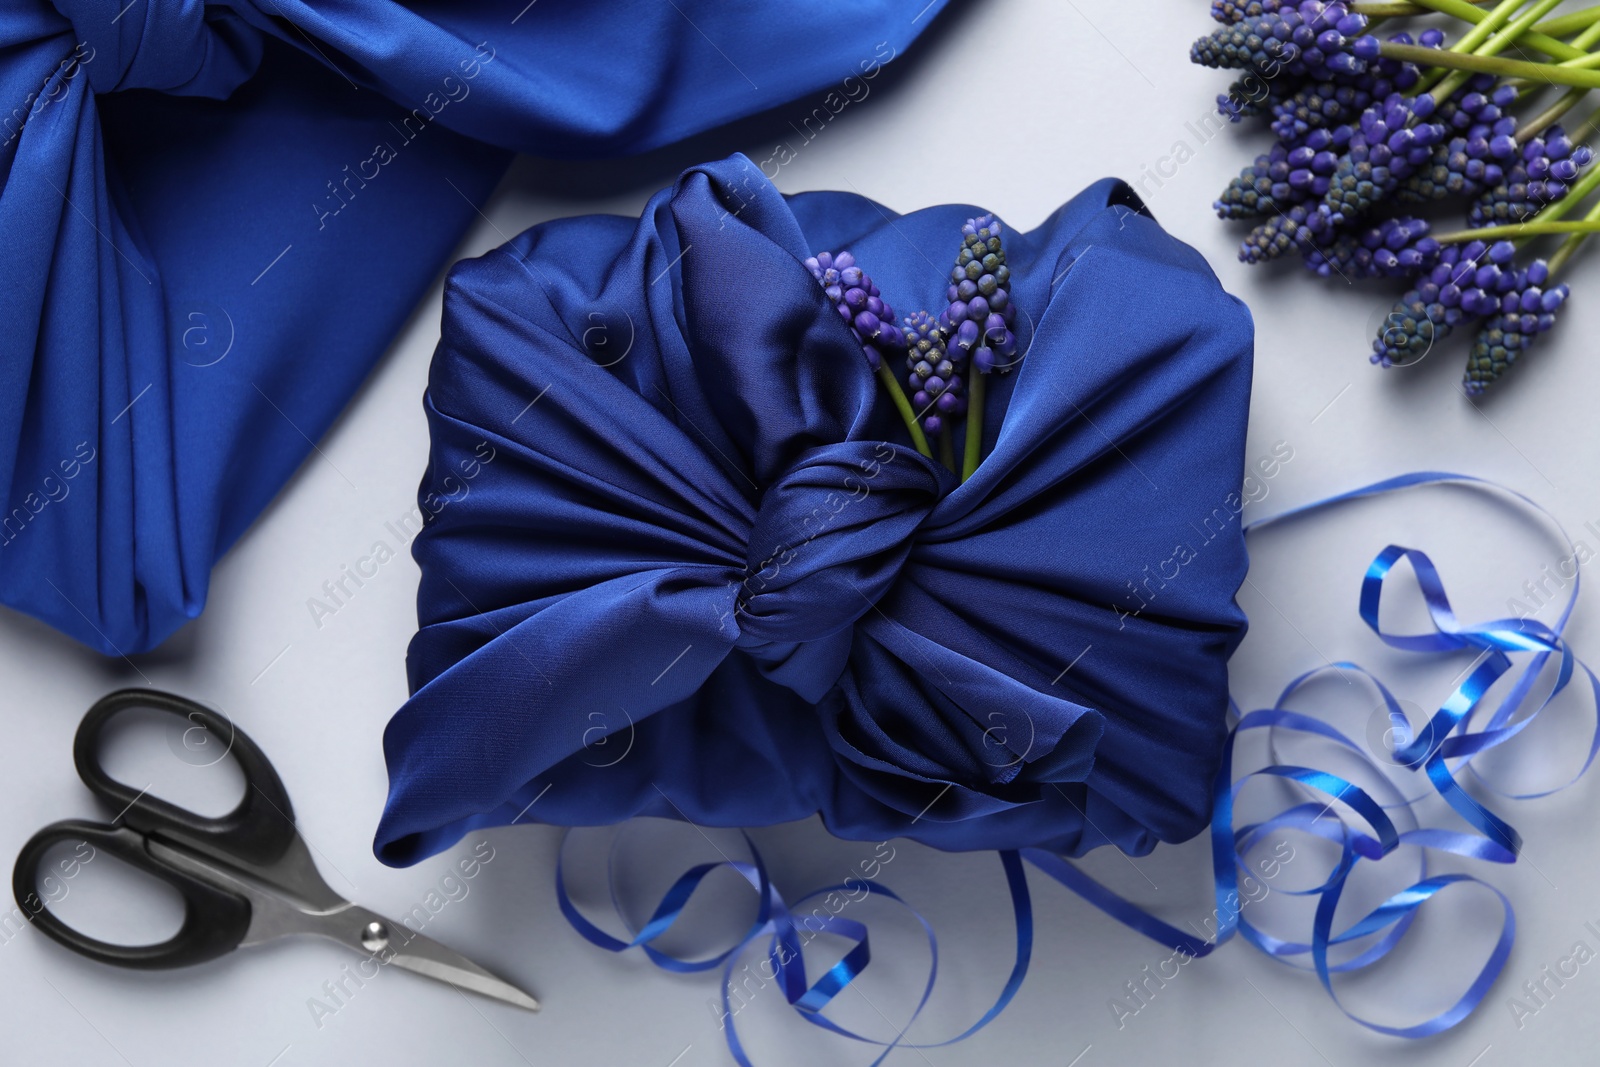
(431, 959)
(274, 914)
(401, 946)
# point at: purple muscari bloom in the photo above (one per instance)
(1259, 188)
(935, 374)
(1542, 173)
(1524, 310)
(1453, 171)
(1319, 105)
(1312, 38)
(980, 316)
(859, 303)
(1313, 164)
(1480, 148)
(1244, 99)
(1480, 102)
(1231, 11)
(1395, 248)
(1393, 140)
(1278, 235)
(1443, 298)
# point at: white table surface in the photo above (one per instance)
(1079, 90)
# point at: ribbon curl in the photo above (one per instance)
(1371, 837)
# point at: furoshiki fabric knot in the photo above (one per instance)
(831, 536)
(705, 537)
(185, 47)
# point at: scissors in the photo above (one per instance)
(246, 877)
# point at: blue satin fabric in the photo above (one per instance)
(702, 535)
(216, 215)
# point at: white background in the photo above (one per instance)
(1015, 104)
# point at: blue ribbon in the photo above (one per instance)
(1369, 834)
(776, 921)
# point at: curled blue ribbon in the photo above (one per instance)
(776, 921)
(1369, 834)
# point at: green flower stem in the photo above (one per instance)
(1553, 213)
(1546, 118)
(1379, 9)
(1584, 59)
(947, 449)
(1567, 25)
(1542, 37)
(1502, 13)
(1546, 222)
(903, 404)
(1573, 243)
(1584, 42)
(1501, 40)
(1581, 45)
(974, 443)
(1585, 129)
(1516, 230)
(1518, 27)
(1506, 68)
(1585, 185)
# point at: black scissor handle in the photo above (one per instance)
(214, 920)
(260, 830)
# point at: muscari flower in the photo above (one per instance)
(1542, 174)
(1313, 38)
(979, 317)
(1469, 281)
(1340, 98)
(936, 374)
(1453, 171)
(1526, 309)
(1393, 140)
(1279, 234)
(1395, 248)
(1259, 187)
(859, 303)
(1231, 11)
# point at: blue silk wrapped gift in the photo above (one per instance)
(697, 532)
(215, 216)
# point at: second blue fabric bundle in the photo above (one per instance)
(653, 413)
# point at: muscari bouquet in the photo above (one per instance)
(1370, 131)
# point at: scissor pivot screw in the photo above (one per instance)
(375, 937)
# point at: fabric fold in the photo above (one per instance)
(217, 215)
(713, 581)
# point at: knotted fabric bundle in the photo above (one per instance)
(215, 216)
(701, 573)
